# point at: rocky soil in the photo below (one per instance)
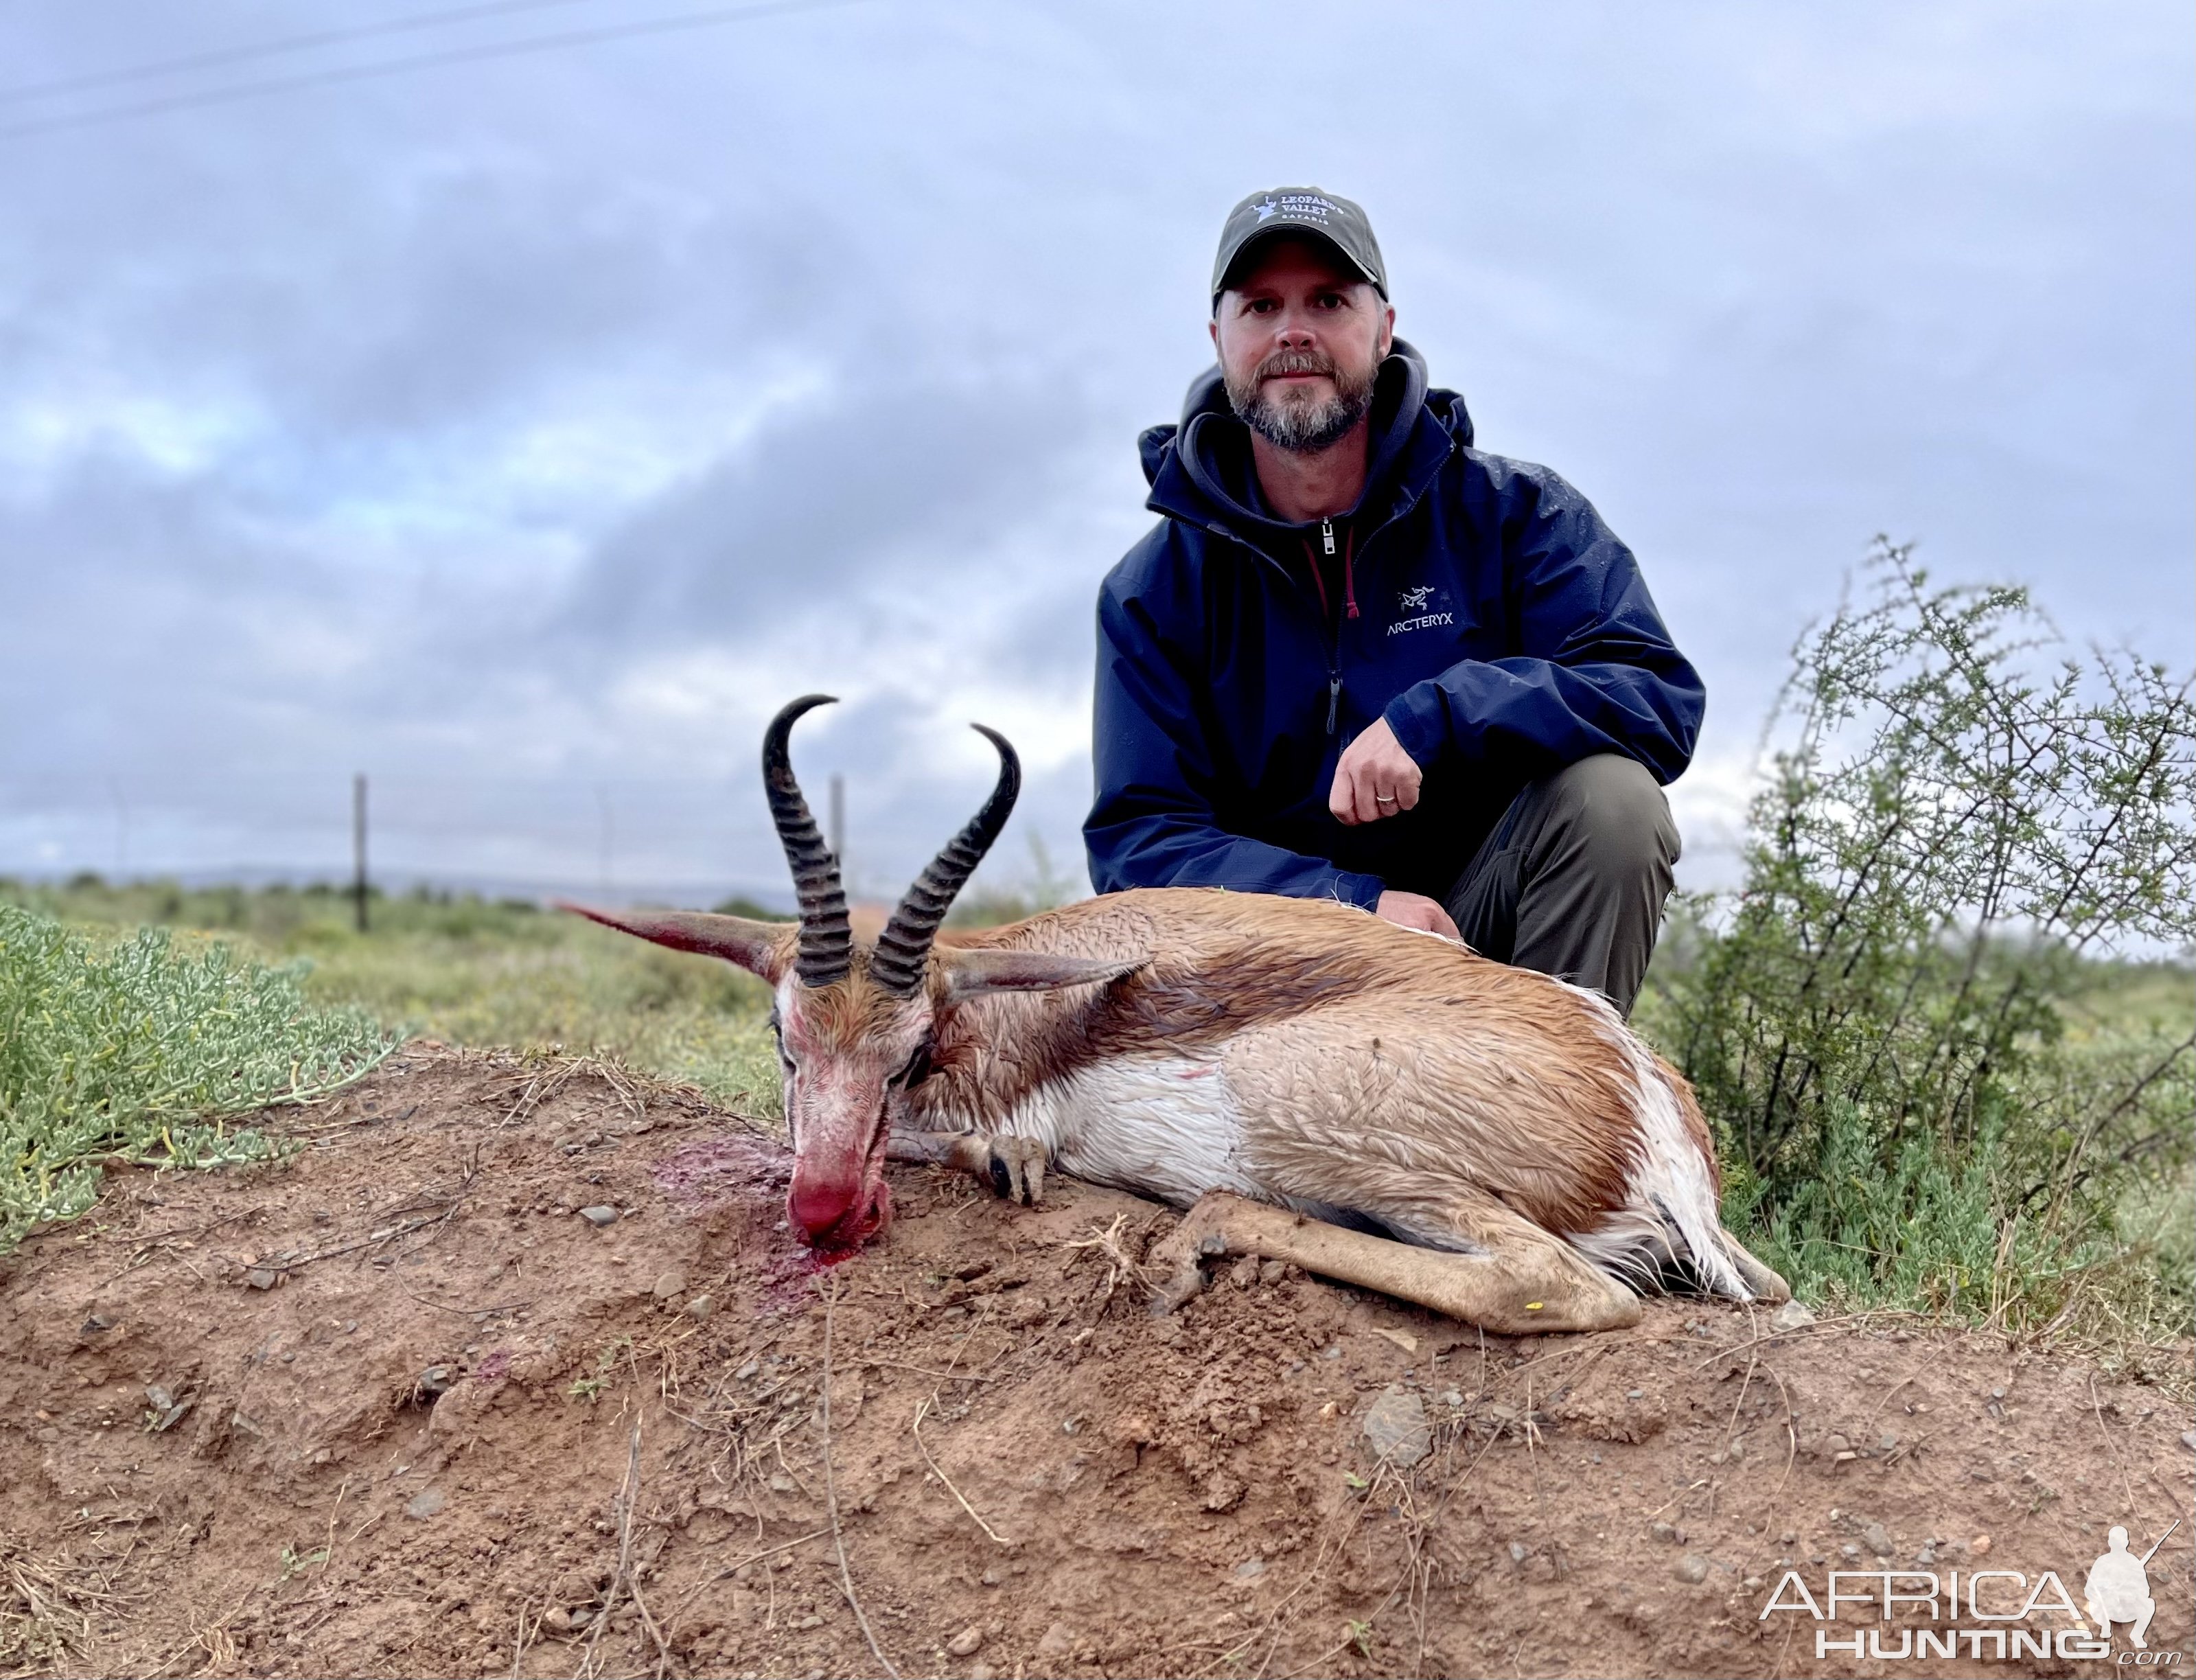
(513, 1370)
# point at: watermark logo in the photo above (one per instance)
(2000, 1615)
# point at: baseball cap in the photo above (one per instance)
(1300, 211)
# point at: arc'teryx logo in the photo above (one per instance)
(1413, 603)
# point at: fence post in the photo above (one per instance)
(838, 822)
(358, 847)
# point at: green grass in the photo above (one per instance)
(136, 1050)
(470, 971)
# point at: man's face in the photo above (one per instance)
(1301, 339)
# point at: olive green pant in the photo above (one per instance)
(1573, 879)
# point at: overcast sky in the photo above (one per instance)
(522, 429)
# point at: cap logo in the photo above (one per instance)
(1298, 207)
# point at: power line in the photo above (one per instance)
(293, 44)
(575, 37)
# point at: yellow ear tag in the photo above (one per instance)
(1533, 1306)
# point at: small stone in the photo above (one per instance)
(426, 1503)
(1402, 1339)
(1272, 1272)
(967, 1642)
(982, 1670)
(1329, 1352)
(1849, 1551)
(600, 1216)
(1059, 1640)
(1691, 1567)
(669, 1285)
(435, 1380)
(1518, 1553)
(557, 1618)
(2188, 1439)
(1452, 1397)
(700, 1308)
(1244, 1272)
(1397, 1428)
(783, 1484)
(1979, 1545)
(1752, 1584)
(1834, 1444)
(1665, 1531)
(1877, 1539)
(1250, 1568)
(1791, 1317)
(1635, 1394)
(994, 1577)
(262, 1277)
(748, 1372)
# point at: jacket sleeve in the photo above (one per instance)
(1154, 823)
(1595, 672)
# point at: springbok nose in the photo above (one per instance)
(820, 1201)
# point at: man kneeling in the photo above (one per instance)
(1359, 658)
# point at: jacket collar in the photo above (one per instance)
(1201, 471)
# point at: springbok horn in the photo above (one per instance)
(826, 947)
(903, 946)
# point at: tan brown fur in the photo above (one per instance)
(1363, 1055)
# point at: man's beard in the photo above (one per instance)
(1295, 422)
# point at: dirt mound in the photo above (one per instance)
(507, 1345)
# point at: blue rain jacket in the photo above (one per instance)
(1502, 630)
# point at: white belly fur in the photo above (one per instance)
(1162, 1127)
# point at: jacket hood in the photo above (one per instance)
(1201, 470)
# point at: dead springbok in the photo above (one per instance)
(1301, 1075)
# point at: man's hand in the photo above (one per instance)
(1375, 778)
(1412, 910)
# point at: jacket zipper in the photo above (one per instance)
(1333, 644)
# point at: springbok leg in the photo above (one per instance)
(1525, 1282)
(1766, 1284)
(1013, 1167)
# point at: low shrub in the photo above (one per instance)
(1905, 1022)
(138, 1051)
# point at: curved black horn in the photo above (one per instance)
(826, 948)
(904, 945)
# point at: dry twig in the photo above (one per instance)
(831, 1492)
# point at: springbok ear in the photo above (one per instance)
(762, 949)
(970, 974)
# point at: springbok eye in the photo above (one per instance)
(918, 1069)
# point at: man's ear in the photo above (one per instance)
(971, 974)
(762, 949)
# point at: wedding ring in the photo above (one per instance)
(1383, 799)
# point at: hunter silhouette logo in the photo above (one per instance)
(2118, 1587)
